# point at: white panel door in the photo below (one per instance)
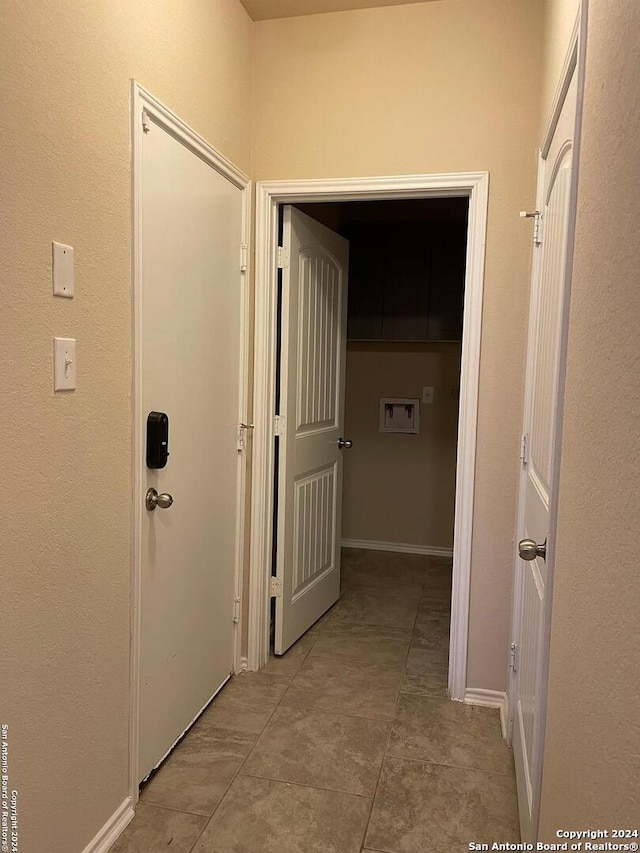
(191, 220)
(314, 320)
(540, 467)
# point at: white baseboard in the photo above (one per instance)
(112, 829)
(491, 699)
(399, 547)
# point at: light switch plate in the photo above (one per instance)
(64, 364)
(427, 394)
(62, 270)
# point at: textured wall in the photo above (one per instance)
(401, 488)
(65, 525)
(430, 87)
(593, 736)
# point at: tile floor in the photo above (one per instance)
(346, 744)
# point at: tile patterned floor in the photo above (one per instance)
(346, 744)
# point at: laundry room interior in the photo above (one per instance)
(407, 266)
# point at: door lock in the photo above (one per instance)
(157, 439)
(153, 499)
(529, 550)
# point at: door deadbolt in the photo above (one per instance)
(153, 500)
(529, 550)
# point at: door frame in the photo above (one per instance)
(155, 112)
(269, 195)
(574, 63)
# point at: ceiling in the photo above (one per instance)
(262, 10)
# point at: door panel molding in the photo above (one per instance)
(571, 60)
(270, 194)
(310, 462)
(307, 500)
(147, 110)
(529, 778)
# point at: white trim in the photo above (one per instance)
(163, 116)
(467, 432)
(490, 699)
(243, 417)
(158, 113)
(569, 66)
(112, 830)
(397, 547)
(526, 417)
(269, 194)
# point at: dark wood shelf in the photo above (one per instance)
(406, 282)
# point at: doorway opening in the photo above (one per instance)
(405, 286)
(404, 342)
(408, 327)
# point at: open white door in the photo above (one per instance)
(533, 586)
(311, 420)
(188, 351)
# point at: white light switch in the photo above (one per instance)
(64, 364)
(427, 394)
(62, 269)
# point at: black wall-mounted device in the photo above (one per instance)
(157, 439)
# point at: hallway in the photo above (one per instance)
(345, 744)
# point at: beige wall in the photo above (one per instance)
(559, 20)
(431, 87)
(401, 488)
(64, 157)
(593, 736)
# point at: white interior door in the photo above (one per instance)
(312, 371)
(189, 348)
(540, 466)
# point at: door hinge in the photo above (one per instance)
(513, 657)
(146, 124)
(276, 587)
(242, 435)
(279, 425)
(244, 257)
(537, 230)
(282, 258)
(524, 448)
(236, 610)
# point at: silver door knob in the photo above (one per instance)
(529, 550)
(345, 442)
(153, 499)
